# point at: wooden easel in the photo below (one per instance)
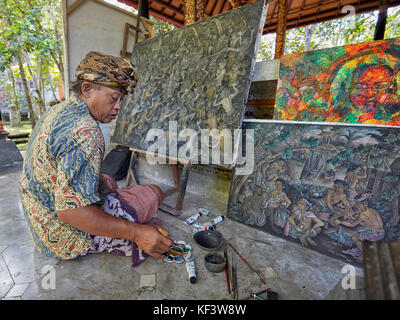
(180, 183)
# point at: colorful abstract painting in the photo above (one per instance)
(325, 187)
(356, 84)
(196, 76)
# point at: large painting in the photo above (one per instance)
(324, 186)
(196, 76)
(356, 84)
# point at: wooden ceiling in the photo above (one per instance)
(300, 12)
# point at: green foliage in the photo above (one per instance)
(340, 158)
(287, 153)
(162, 27)
(267, 47)
(311, 141)
(26, 29)
(389, 195)
(295, 40)
(333, 33)
(393, 23)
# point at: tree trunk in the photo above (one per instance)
(41, 87)
(26, 89)
(14, 94)
(309, 31)
(52, 88)
(37, 87)
(58, 56)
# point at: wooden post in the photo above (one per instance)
(281, 28)
(194, 11)
(199, 10)
(64, 12)
(138, 22)
(381, 23)
(189, 6)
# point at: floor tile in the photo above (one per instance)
(6, 281)
(20, 263)
(12, 298)
(17, 290)
(147, 280)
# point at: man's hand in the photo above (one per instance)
(151, 241)
(95, 221)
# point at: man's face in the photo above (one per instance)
(338, 187)
(105, 103)
(302, 205)
(373, 87)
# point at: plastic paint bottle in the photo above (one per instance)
(191, 269)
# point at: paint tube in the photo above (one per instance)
(192, 219)
(191, 269)
(201, 227)
(214, 221)
(206, 212)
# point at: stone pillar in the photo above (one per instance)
(13, 115)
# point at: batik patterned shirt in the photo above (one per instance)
(61, 171)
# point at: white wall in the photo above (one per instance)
(95, 25)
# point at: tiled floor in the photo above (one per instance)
(298, 273)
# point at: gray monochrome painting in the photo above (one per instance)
(324, 186)
(197, 76)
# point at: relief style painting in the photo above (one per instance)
(197, 76)
(357, 83)
(326, 187)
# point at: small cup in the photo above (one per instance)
(214, 262)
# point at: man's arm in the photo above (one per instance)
(352, 224)
(93, 220)
(328, 200)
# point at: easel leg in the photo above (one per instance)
(182, 186)
(175, 175)
(131, 176)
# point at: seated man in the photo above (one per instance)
(60, 182)
(372, 227)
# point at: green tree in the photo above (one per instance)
(162, 27)
(332, 33)
(393, 23)
(30, 36)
